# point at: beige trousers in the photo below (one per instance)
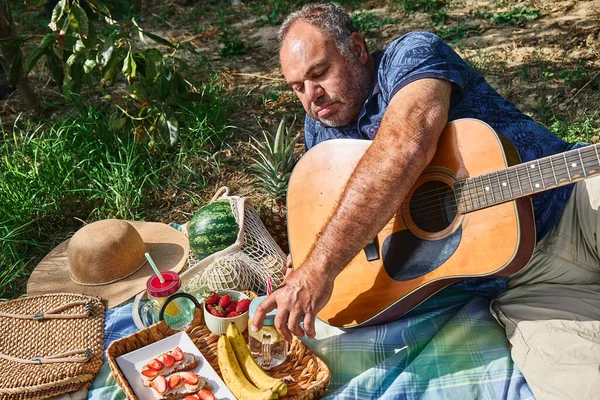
(551, 311)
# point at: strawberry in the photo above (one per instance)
(155, 364)
(174, 381)
(205, 394)
(177, 354)
(168, 360)
(231, 307)
(189, 377)
(224, 301)
(160, 384)
(150, 373)
(218, 312)
(243, 306)
(194, 397)
(233, 314)
(211, 297)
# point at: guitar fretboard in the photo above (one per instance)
(527, 178)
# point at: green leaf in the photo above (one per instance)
(129, 66)
(159, 39)
(104, 55)
(98, 7)
(154, 65)
(81, 19)
(79, 46)
(47, 40)
(73, 75)
(57, 13)
(109, 71)
(89, 65)
(55, 67)
(32, 60)
(15, 69)
(168, 129)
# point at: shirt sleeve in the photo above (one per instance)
(420, 55)
(310, 134)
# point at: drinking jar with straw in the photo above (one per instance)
(160, 287)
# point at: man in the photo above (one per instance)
(402, 99)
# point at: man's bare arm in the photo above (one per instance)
(405, 144)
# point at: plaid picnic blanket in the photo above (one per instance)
(450, 347)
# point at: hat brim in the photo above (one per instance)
(168, 247)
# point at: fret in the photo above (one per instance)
(483, 190)
(582, 164)
(539, 162)
(574, 163)
(458, 195)
(529, 177)
(554, 172)
(470, 197)
(509, 183)
(500, 186)
(519, 181)
(491, 188)
(567, 165)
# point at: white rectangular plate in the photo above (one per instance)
(131, 365)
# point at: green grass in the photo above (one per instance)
(53, 174)
(516, 16)
(367, 22)
(583, 130)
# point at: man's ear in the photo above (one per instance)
(358, 47)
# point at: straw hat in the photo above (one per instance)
(106, 259)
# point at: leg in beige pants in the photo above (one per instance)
(551, 311)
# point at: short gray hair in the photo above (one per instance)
(331, 18)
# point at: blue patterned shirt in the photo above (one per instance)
(421, 55)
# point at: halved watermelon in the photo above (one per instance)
(212, 228)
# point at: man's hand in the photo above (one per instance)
(302, 295)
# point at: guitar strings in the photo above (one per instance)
(479, 187)
(423, 209)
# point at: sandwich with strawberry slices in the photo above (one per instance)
(179, 385)
(168, 363)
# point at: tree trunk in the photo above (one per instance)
(9, 52)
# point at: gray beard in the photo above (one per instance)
(358, 91)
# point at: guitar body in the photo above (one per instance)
(429, 243)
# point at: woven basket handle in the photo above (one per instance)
(79, 355)
(55, 312)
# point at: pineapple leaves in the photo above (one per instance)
(275, 159)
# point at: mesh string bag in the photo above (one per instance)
(246, 264)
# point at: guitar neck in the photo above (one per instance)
(527, 178)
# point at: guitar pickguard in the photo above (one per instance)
(406, 256)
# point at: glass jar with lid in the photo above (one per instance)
(179, 310)
(267, 346)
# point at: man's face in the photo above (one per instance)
(331, 87)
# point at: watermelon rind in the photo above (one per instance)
(212, 228)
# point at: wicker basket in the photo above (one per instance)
(49, 345)
(311, 375)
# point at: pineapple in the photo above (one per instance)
(272, 167)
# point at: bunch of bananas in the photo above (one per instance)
(243, 376)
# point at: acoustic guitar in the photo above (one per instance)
(469, 215)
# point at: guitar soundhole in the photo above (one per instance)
(433, 206)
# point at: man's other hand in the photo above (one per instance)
(302, 295)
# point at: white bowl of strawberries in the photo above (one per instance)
(223, 307)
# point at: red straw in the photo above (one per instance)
(269, 286)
